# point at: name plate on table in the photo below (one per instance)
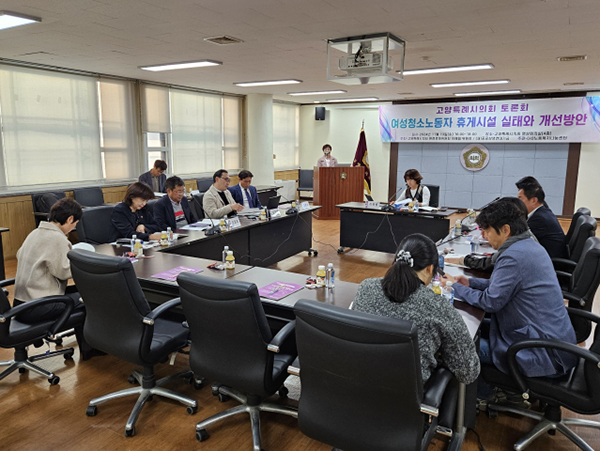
(372, 204)
(304, 205)
(233, 223)
(274, 213)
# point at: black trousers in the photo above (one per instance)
(54, 310)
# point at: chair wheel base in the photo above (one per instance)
(54, 380)
(201, 435)
(283, 392)
(223, 398)
(132, 380)
(192, 410)
(91, 411)
(130, 432)
(68, 356)
(22, 370)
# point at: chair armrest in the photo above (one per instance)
(571, 297)
(57, 325)
(35, 303)
(41, 214)
(584, 314)
(436, 386)
(7, 282)
(564, 278)
(564, 264)
(282, 336)
(294, 368)
(548, 344)
(161, 309)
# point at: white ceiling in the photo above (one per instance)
(287, 39)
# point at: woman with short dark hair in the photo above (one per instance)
(414, 190)
(131, 217)
(43, 269)
(444, 339)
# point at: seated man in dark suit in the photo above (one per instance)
(155, 178)
(244, 193)
(540, 219)
(173, 210)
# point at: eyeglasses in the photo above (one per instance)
(227, 179)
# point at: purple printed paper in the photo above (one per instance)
(171, 274)
(278, 290)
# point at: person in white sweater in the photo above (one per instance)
(43, 268)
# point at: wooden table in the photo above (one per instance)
(2, 271)
(341, 295)
(376, 230)
(157, 290)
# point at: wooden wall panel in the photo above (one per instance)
(286, 175)
(16, 213)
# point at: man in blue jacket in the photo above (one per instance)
(244, 193)
(522, 295)
(155, 177)
(173, 210)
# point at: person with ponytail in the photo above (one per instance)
(444, 339)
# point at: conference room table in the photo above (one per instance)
(371, 228)
(254, 242)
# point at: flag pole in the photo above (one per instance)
(363, 125)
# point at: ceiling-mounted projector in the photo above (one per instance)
(365, 59)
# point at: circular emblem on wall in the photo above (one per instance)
(343, 176)
(474, 157)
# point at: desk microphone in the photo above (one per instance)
(387, 206)
(490, 203)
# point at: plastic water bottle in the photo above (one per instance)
(457, 228)
(448, 292)
(442, 260)
(133, 238)
(169, 236)
(224, 255)
(330, 276)
(474, 245)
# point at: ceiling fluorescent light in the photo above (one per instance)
(486, 93)
(468, 83)
(249, 84)
(440, 70)
(9, 19)
(316, 93)
(362, 99)
(184, 65)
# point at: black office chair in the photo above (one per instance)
(434, 195)
(583, 211)
(196, 206)
(95, 225)
(150, 206)
(42, 202)
(305, 180)
(578, 391)
(361, 381)
(119, 322)
(89, 197)
(19, 335)
(579, 287)
(585, 227)
(232, 343)
(204, 184)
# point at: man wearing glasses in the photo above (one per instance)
(155, 177)
(217, 201)
(173, 210)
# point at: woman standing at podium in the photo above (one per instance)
(327, 161)
(414, 190)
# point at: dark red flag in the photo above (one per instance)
(361, 158)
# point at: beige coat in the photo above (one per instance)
(43, 268)
(213, 205)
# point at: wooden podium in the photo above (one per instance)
(338, 185)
